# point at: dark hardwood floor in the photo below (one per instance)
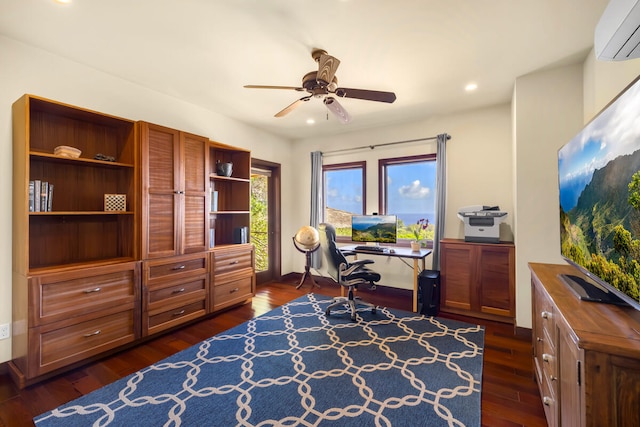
(509, 394)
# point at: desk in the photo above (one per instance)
(400, 253)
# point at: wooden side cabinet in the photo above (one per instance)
(586, 355)
(478, 279)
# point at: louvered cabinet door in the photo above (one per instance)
(195, 212)
(160, 190)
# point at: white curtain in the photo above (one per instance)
(316, 201)
(441, 197)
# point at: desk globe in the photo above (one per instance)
(307, 241)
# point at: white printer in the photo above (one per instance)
(481, 223)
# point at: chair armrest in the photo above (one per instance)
(361, 262)
(348, 253)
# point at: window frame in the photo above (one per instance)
(382, 188)
(362, 165)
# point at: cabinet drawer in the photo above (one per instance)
(63, 346)
(233, 292)
(176, 316)
(549, 403)
(163, 294)
(170, 268)
(69, 294)
(548, 361)
(231, 260)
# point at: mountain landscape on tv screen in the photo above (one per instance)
(382, 232)
(602, 231)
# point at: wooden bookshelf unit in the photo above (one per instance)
(92, 274)
(75, 270)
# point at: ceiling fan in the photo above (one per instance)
(323, 84)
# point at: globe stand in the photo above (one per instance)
(307, 267)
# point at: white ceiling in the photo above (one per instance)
(205, 51)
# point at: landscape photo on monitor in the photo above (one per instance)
(599, 182)
(374, 228)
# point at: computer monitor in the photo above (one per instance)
(374, 228)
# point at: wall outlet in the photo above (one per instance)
(5, 331)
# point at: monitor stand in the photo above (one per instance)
(588, 290)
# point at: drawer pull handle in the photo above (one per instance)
(547, 401)
(180, 267)
(234, 262)
(539, 339)
(179, 313)
(553, 378)
(177, 291)
(90, 291)
(546, 315)
(234, 290)
(92, 334)
(547, 357)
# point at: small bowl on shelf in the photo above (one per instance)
(67, 151)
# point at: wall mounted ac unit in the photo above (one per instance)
(617, 35)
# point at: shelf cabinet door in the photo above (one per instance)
(174, 192)
(160, 181)
(496, 277)
(195, 212)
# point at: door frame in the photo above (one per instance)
(274, 271)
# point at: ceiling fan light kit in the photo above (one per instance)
(323, 82)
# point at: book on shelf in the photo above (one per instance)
(50, 198)
(37, 185)
(40, 196)
(44, 195)
(31, 196)
(214, 201)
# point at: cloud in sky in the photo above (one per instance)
(414, 190)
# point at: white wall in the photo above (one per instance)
(550, 107)
(478, 165)
(28, 70)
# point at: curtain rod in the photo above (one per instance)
(383, 144)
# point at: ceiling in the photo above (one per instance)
(205, 51)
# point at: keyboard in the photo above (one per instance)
(369, 248)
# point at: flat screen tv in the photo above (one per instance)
(374, 228)
(599, 182)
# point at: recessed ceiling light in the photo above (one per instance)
(62, 1)
(471, 87)
(311, 121)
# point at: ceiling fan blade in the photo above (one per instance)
(368, 95)
(292, 106)
(327, 67)
(274, 87)
(334, 106)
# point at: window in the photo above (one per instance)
(408, 190)
(344, 195)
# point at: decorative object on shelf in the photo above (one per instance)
(115, 202)
(67, 151)
(224, 169)
(104, 157)
(307, 241)
(419, 232)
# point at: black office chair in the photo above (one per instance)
(347, 274)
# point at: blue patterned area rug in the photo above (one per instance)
(294, 366)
